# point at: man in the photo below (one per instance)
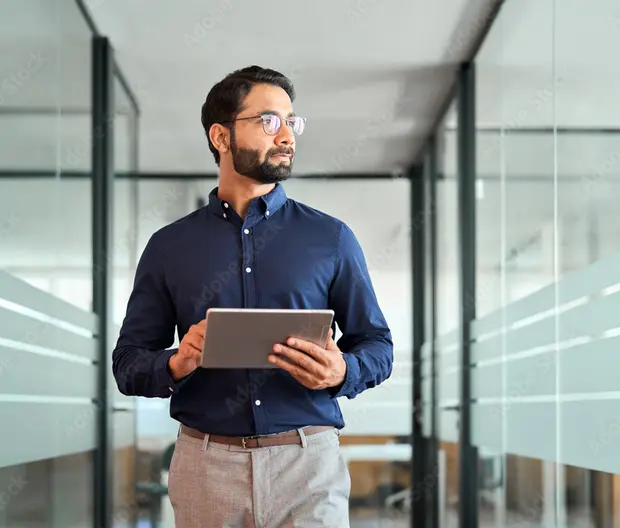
(256, 447)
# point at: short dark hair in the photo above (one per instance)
(224, 100)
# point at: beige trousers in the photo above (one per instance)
(219, 486)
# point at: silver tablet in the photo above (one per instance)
(244, 337)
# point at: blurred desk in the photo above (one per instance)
(378, 452)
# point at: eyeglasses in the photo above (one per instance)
(273, 122)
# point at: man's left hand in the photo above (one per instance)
(313, 366)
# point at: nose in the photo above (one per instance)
(285, 136)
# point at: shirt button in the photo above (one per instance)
(224, 215)
(267, 213)
(257, 402)
(226, 205)
(246, 231)
(248, 269)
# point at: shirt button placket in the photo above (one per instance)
(249, 280)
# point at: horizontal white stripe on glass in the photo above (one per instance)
(593, 279)
(547, 398)
(17, 291)
(34, 430)
(48, 400)
(41, 351)
(22, 329)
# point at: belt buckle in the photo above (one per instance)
(243, 444)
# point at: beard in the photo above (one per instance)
(247, 162)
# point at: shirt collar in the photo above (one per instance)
(267, 205)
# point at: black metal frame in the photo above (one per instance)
(191, 176)
(102, 200)
(468, 456)
(419, 443)
(430, 278)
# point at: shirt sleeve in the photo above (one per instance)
(140, 359)
(366, 340)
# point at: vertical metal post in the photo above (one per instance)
(468, 458)
(102, 197)
(430, 216)
(419, 462)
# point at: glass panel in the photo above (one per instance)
(159, 202)
(547, 109)
(588, 191)
(53, 492)
(44, 143)
(448, 299)
(124, 247)
(45, 239)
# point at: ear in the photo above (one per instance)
(220, 137)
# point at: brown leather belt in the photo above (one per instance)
(247, 442)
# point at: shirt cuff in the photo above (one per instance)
(351, 377)
(166, 382)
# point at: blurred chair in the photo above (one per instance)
(150, 493)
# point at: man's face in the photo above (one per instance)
(256, 154)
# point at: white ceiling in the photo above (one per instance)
(369, 75)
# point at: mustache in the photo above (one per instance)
(283, 150)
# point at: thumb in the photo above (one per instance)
(331, 344)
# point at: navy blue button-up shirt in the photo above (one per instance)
(283, 255)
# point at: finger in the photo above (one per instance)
(194, 342)
(304, 360)
(200, 328)
(295, 370)
(310, 349)
(331, 344)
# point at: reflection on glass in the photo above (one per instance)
(124, 245)
(45, 239)
(447, 347)
(548, 159)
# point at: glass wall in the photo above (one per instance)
(46, 326)
(48, 331)
(447, 349)
(124, 248)
(548, 159)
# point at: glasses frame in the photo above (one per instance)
(287, 120)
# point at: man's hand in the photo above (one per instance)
(189, 355)
(313, 366)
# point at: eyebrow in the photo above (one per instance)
(290, 114)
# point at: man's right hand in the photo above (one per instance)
(189, 355)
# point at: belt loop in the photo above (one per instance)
(302, 436)
(205, 442)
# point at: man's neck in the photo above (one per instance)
(239, 191)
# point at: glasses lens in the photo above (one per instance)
(299, 123)
(271, 124)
